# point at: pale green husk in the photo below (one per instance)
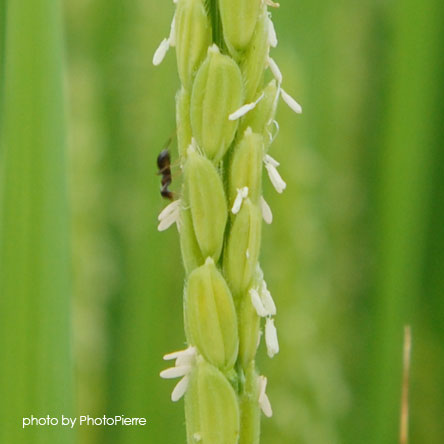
(220, 156)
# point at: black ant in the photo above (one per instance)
(164, 165)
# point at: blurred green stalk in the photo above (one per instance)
(136, 298)
(403, 204)
(36, 366)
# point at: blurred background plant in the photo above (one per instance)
(356, 252)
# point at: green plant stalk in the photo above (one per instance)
(35, 340)
(225, 120)
(404, 196)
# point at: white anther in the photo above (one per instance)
(271, 339)
(271, 161)
(167, 222)
(275, 178)
(169, 209)
(184, 360)
(275, 70)
(259, 336)
(266, 211)
(183, 366)
(175, 372)
(161, 51)
(190, 351)
(180, 389)
(267, 2)
(264, 402)
(272, 38)
(165, 44)
(169, 215)
(172, 37)
(259, 272)
(267, 300)
(242, 193)
(244, 109)
(257, 303)
(291, 102)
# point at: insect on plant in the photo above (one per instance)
(164, 165)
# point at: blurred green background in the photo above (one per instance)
(355, 251)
